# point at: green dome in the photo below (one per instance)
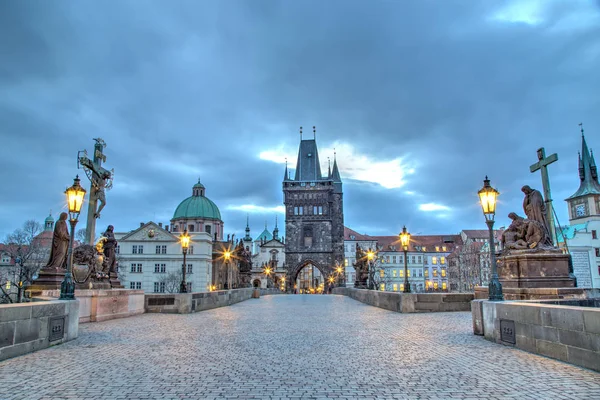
(265, 235)
(49, 219)
(197, 206)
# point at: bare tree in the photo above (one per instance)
(28, 254)
(172, 281)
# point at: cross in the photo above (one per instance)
(542, 165)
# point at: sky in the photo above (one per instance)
(420, 99)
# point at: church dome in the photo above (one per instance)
(197, 206)
(266, 235)
(49, 219)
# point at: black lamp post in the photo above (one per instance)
(227, 257)
(405, 240)
(370, 261)
(185, 244)
(487, 196)
(75, 195)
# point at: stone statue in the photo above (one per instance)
(524, 234)
(362, 268)
(60, 244)
(100, 178)
(535, 209)
(110, 258)
(244, 255)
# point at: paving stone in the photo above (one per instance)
(290, 347)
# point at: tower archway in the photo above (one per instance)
(307, 277)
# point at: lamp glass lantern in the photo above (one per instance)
(404, 238)
(75, 195)
(488, 198)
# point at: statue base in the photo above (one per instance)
(526, 269)
(48, 279)
(115, 283)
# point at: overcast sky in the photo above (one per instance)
(421, 99)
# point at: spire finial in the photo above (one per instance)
(275, 221)
(334, 153)
(314, 132)
(581, 126)
(300, 133)
(247, 220)
(265, 224)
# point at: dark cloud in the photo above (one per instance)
(198, 89)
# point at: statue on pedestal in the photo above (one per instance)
(361, 267)
(60, 245)
(535, 209)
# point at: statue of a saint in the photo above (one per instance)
(110, 243)
(60, 244)
(535, 209)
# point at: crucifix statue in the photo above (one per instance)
(101, 180)
(542, 165)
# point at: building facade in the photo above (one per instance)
(314, 218)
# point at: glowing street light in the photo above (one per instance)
(488, 198)
(75, 195)
(227, 257)
(184, 239)
(405, 241)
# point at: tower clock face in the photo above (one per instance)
(580, 210)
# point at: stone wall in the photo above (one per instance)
(27, 327)
(409, 302)
(185, 303)
(567, 333)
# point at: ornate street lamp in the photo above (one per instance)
(340, 272)
(184, 239)
(268, 274)
(227, 257)
(75, 195)
(370, 260)
(487, 197)
(405, 240)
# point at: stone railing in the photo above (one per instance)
(185, 303)
(410, 302)
(566, 332)
(27, 327)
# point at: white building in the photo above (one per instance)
(584, 219)
(151, 258)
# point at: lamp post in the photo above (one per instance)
(370, 258)
(487, 197)
(227, 257)
(405, 240)
(75, 196)
(268, 275)
(340, 272)
(185, 244)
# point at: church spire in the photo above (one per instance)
(247, 238)
(276, 230)
(286, 174)
(308, 167)
(588, 173)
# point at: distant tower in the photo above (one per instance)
(276, 230)
(584, 204)
(49, 223)
(314, 215)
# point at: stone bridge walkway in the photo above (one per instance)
(294, 346)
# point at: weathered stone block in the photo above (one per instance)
(27, 330)
(547, 333)
(551, 349)
(523, 329)
(568, 318)
(22, 348)
(476, 314)
(52, 309)
(579, 339)
(526, 343)
(7, 334)
(13, 312)
(584, 358)
(591, 321)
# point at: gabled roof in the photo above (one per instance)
(476, 233)
(349, 233)
(417, 242)
(150, 225)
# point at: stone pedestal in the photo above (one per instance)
(48, 279)
(535, 270)
(514, 293)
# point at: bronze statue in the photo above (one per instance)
(60, 244)
(535, 209)
(110, 258)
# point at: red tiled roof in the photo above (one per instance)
(357, 236)
(428, 241)
(476, 233)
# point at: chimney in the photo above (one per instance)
(141, 224)
(160, 224)
(167, 228)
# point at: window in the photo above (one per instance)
(208, 229)
(427, 273)
(189, 287)
(413, 259)
(140, 249)
(320, 210)
(382, 287)
(135, 285)
(437, 248)
(444, 286)
(442, 260)
(401, 258)
(159, 287)
(301, 210)
(443, 272)
(156, 268)
(424, 248)
(597, 252)
(136, 268)
(394, 273)
(393, 259)
(191, 228)
(315, 210)
(443, 248)
(420, 273)
(594, 235)
(131, 285)
(190, 268)
(160, 268)
(419, 259)
(381, 273)
(401, 273)
(435, 285)
(157, 249)
(190, 250)
(134, 249)
(345, 262)
(402, 287)
(408, 273)
(118, 249)
(295, 210)
(434, 260)
(395, 287)
(435, 272)
(163, 249)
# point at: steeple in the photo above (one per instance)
(286, 175)
(49, 223)
(276, 230)
(588, 173)
(335, 175)
(308, 167)
(247, 238)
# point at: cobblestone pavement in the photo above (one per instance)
(285, 347)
